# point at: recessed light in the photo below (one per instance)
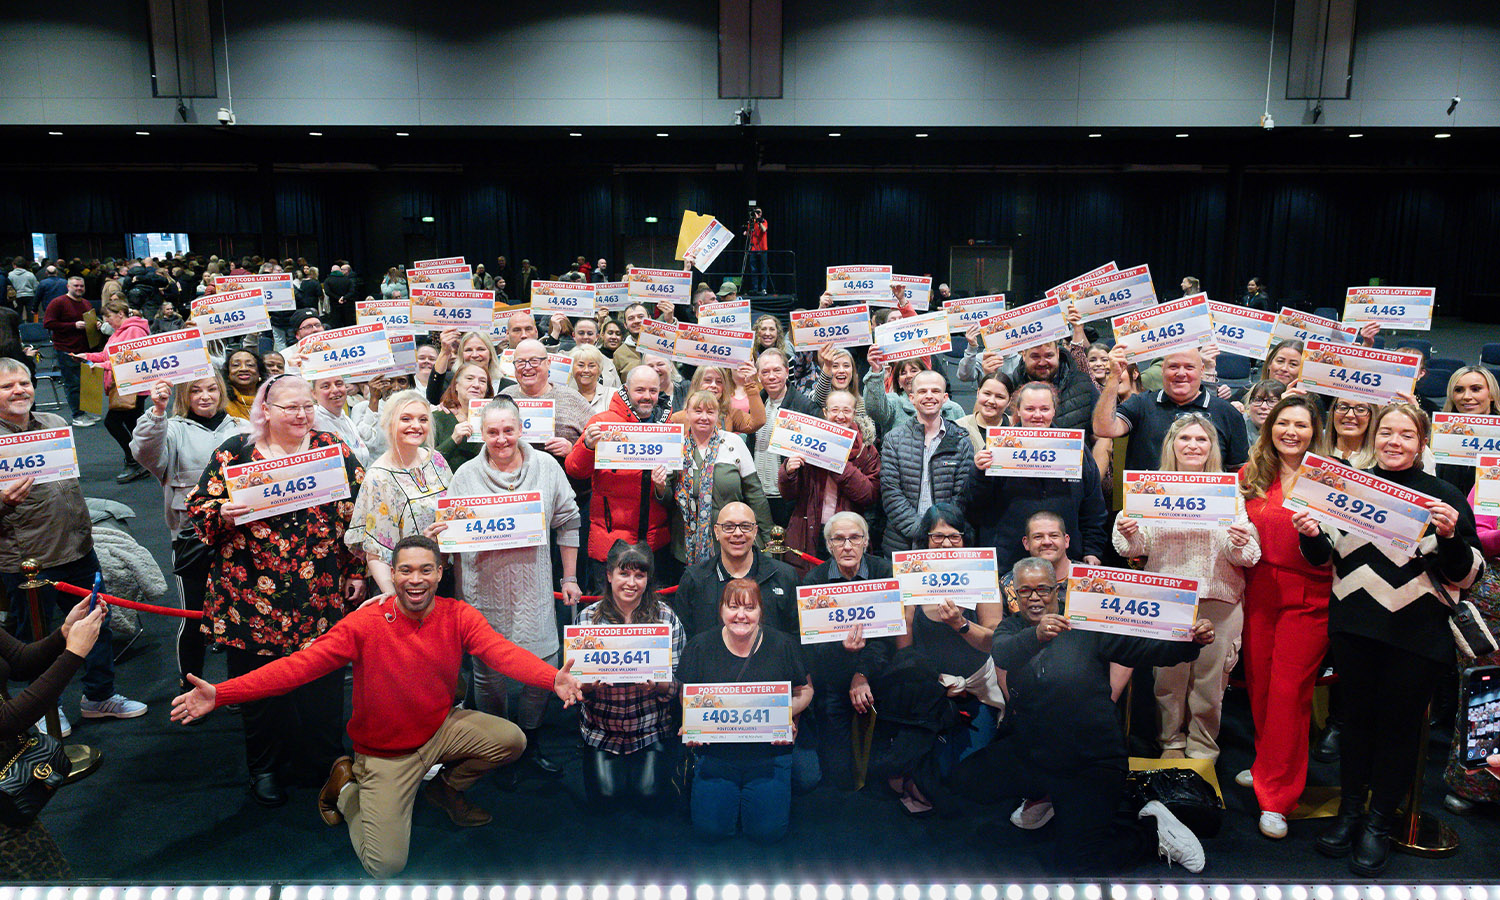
(58, 133)
(428, 219)
(1181, 134)
(921, 134)
(661, 134)
(1442, 134)
(651, 220)
(1356, 134)
(835, 134)
(403, 134)
(143, 133)
(575, 134)
(315, 134)
(1096, 134)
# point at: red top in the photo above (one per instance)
(405, 670)
(1279, 544)
(758, 234)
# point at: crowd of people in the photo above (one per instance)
(1028, 703)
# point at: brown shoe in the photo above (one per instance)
(463, 813)
(340, 775)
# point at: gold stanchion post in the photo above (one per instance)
(1421, 834)
(776, 546)
(85, 759)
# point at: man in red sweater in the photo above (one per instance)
(406, 651)
(64, 318)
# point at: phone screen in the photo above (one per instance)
(1481, 715)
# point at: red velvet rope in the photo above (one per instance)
(129, 604)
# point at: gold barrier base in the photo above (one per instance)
(85, 759)
(1426, 836)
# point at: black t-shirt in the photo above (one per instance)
(706, 660)
(1150, 415)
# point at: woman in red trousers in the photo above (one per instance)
(1286, 613)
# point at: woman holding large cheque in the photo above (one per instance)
(744, 787)
(513, 587)
(276, 584)
(1391, 642)
(1190, 695)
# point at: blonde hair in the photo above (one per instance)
(1265, 367)
(1489, 381)
(391, 408)
(587, 353)
(493, 364)
(180, 394)
(1215, 461)
(701, 398)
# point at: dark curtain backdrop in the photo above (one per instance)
(1310, 236)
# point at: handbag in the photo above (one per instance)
(122, 401)
(1471, 634)
(31, 775)
(1183, 792)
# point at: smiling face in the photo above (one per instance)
(643, 386)
(471, 383)
(1350, 420)
(634, 316)
(531, 367)
(991, 400)
(1471, 395)
(614, 336)
(841, 371)
(839, 409)
(627, 585)
(906, 371)
(735, 529)
(475, 350)
(275, 364)
(928, 394)
(416, 573)
(241, 372)
(1046, 538)
(1398, 442)
(1098, 360)
(289, 412)
(767, 331)
(773, 373)
(1191, 448)
(1036, 593)
(501, 432)
(413, 424)
(330, 394)
(1042, 362)
(586, 373)
(703, 420)
(520, 327)
(1034, 408)
(741, 617)
(1292, 433)
(585, 331)
(16, 393)
(1285, 366)
(426, 358)
(1259, 407)
(203, 397)
(1182, 375)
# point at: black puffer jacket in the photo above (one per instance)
(1076, 393)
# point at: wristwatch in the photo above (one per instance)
(964, 628)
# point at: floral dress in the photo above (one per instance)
(394, 503)
(273, 585)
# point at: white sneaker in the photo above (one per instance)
(1245, 779)
(1173, 839)
(431, 773)
(84, 420)
(1273, 825)
(1032, 816)
(62, 722)
(116, 707)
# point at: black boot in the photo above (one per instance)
(533, 755)
(1327, 748)
(1339, 838)
(266, 789)
(1372, 847)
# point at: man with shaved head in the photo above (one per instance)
(697, 597)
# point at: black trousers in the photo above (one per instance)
(832, 669)
(190, 566)
(641, 778)
(302, 730)
(1385, 691)
(120, 423)
(1090, 831)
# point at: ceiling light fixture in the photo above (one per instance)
(1096, 135)
(58, 133)
(143, 133)
(1442, 134)
(921, 134)
(1181, 134)
(1354, 134)
(403, 134)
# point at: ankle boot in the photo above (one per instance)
(1326, 750)
(1372, 847)
(533, 755)
(1338, 839)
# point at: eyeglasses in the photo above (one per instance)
(1358, 412)
(1026, 593)
(847, 540)
(736, 527)
(529, 364)
(946, 540)
(1263, 401)
(305, 408)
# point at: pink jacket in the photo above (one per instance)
(130, 329)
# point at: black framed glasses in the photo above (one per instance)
(736, 527)
(1026, 593)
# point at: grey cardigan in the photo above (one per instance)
(176, 450)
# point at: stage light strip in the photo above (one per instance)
(758, 891)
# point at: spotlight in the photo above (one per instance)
(1453, 104)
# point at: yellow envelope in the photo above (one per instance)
(693, 225)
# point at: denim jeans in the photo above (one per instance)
(68, 366)
(99, 665)
(755, 271)
(751, 798)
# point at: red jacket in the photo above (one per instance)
(615, 511)
(858, 491)
(404, 670)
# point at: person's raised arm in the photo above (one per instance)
(1106, 423)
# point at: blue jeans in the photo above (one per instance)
(99, 665)
(755, 271)
(753, 798)
(68, 366)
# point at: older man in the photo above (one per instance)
(624, 505)
(843, 671)
(570, 411)
(928, 458)
(697, 597)
(50, 523)
(406, 649)
(1146, 417)
(64, 315)
(1058, 680)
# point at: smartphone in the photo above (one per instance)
(1481, 731)
(94, 594)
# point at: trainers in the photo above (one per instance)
(1173, 839)
(1245, 779)
(1032, 814)
(1273, 825)
(63, 724)
(84, 420)
(116, 707)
